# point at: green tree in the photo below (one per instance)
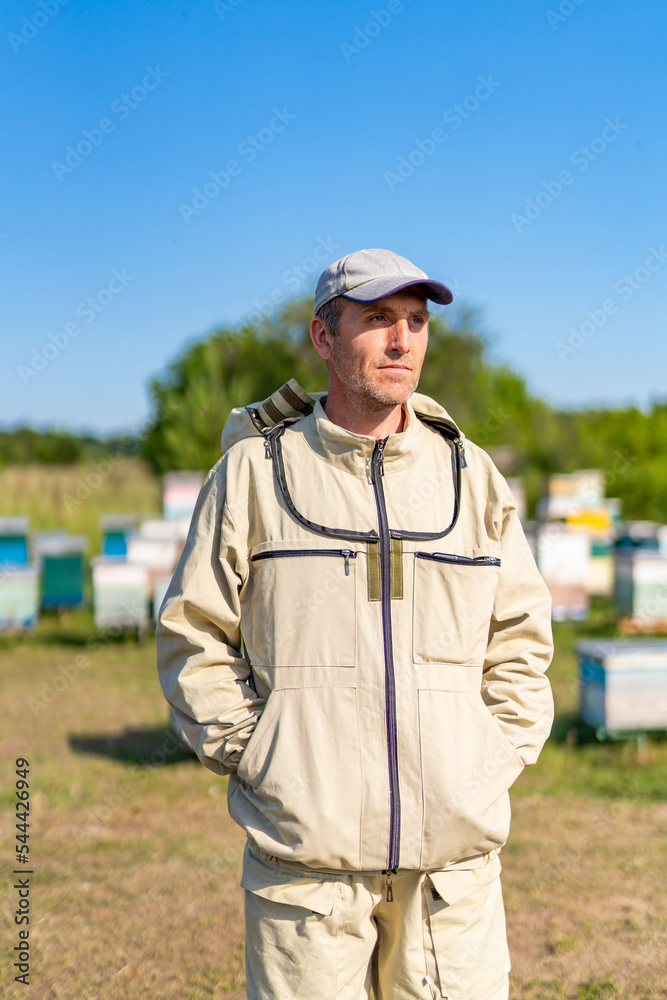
(491, 403)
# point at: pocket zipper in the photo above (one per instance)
(447, 557)
(345, 554)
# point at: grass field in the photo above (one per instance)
(136, 863)
(72, 498)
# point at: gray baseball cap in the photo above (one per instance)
(369, 275)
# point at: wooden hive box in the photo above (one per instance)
(120, 594)
(116, 529)
(640, 585)
(179, 493)
(61, 561)
(14, 541)
(563, 557)
(157, 547)
(623, 685)
(19, 596)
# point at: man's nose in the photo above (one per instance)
(400, 336)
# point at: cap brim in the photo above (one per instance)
(380, 288)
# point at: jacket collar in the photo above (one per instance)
(353, 452)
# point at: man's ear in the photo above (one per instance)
(321, 338)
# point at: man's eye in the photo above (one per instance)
(378, 316)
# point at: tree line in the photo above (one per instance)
(490, 402)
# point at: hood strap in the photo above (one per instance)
(273, 437)
(273, 440)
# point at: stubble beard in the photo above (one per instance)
(369, 393)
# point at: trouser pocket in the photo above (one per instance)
(294, 931)
(465, 940)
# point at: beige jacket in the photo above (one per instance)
(358, 635)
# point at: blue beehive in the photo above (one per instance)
(19, 580)
(14, 541)
(115, 531)
(623, 685)
(61, 559)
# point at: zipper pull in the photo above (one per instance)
(267, 448)
(459, 444)
(346, 553)
(390, 891)
(381, 445)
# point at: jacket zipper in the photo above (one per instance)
(377, 472)
(447, 557)
(345, 554)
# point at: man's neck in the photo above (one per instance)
(373, 423)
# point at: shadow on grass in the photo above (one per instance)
(135, 746)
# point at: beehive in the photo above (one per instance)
(563, 558)
(115, 531)
(156, 546)
(19, 596)
(641, 584)
(179, 493)
(160, 587)
(61, 561)
(14, 541)
(570, 493)
(623, 685)
(120, 594)
(519, 494)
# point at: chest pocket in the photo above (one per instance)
(453, 603)
(299, 606)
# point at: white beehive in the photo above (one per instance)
(623, 685)
(563, 559)
(120, 594)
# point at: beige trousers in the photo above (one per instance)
(313, 935)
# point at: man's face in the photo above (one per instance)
(378, 352)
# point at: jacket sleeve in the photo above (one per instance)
(202, 670)
(515, 687)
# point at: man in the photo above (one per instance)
(357, 635)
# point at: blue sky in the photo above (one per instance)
(515, 151)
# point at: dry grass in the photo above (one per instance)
(586, 899)
(73, 497)
(135, 892)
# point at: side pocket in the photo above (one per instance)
(466, 942)
(294, 930)
(302, 775)
(282, 885)
(467, 766)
